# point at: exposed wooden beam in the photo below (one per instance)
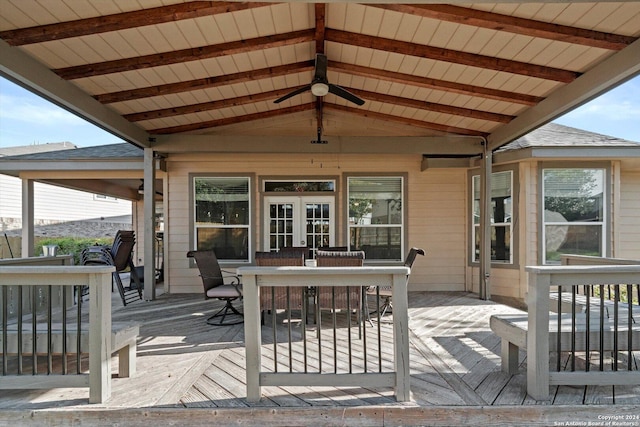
(210, 105)
(607, 74)
(438, 145)
(512, 24)
(411, 122)
(233, 120)
(431, 106)
(184, 55)
(451, 56)
(205, 83)
(122, 21)
(24, 70)
(320, 9)
(443, 85)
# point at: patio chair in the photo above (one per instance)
(296, 250)
(386, 291)
(215, 287)
(340, 298)
(121, 253)
(274, 297)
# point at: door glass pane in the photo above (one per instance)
(281, 225)
(318, 220)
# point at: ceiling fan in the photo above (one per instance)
(320, 86)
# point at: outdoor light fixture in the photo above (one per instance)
(320, 89)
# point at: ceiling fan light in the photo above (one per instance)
(320, 89)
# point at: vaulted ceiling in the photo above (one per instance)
(158, 72)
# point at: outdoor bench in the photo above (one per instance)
(512, 329)
(123, 341)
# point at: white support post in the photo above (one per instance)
(27, 219)
(538, 336)
(99, 337)
(401, 338)
(149, 225)
(252, 334)
(485, 224)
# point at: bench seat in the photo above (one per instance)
(123, 341)
(512, 329)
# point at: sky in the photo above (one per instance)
(27, 119)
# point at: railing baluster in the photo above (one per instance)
(78, 329)
(49, 335)
(64, 330)
(273, 326)
(335, 337)
(5, 308)
(289, 327)
(573, 329)
(362, 324)
(379, 329)
(559, 330)
(629, 331)
(20, 302)
(615, 326)
(305, 301)
(34, 330)
(349, 329)
(588, 330)
(601, 347)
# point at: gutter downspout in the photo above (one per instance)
(485, 222)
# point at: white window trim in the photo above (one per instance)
(604, 223)
(195, 227)
(497, 224)
(402, 225)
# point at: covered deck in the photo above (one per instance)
(183, 363)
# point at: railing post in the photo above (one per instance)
(401, 337)
(538, 336)
(252, 335)
(99, 337)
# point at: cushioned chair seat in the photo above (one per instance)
(225, 291)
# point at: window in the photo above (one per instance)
(376, 216)
(222, 216)
(501, 214)
(573, 219)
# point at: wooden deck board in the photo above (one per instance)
(185, 363)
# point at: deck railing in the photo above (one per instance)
(345, 351)
(40, 332)
(589, 346)
(55, 293)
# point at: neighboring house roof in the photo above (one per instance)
(36, 148)
(556, 135)
(110, 151)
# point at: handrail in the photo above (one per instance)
(255, 277)
(98, 279)
(541, 279)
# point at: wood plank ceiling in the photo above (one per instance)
(215, 68)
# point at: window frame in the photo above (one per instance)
(606, 241)
(404, 226)
(193, 228)
(513, 263)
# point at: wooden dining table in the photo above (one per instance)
(253, 278)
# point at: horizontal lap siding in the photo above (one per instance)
(629, 215)
(437, 221)
(436, 203)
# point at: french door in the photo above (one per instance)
(298, 221)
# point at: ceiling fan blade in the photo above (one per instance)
(320, 74)
(342, 93)
(291, 94)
